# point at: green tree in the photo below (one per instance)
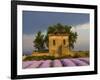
(39, 41)
(59, 28)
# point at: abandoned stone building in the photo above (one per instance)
(59, 44)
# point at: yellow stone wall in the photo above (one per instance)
(40, 54)
(59, 48)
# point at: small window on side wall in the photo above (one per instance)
(54, 43)
(64, 42)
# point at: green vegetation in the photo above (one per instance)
(80, 54)
(29, 58)
(42, 51)
(41, 40)
(76, 54)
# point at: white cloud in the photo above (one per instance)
(28, 42)
(85, 26)
(83, 31)
(44, 32)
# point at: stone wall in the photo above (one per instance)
(40, 54)
(58, 45)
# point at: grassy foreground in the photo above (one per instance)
(76, 54)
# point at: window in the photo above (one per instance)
(54, 42)
(64, 42)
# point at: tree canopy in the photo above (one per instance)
(41, 41)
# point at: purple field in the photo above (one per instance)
(56, 63)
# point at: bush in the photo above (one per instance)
(42, 51)
(29, 58)
(79, 54)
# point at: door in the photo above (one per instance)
(59, 51)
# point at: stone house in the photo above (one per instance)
(59, 44)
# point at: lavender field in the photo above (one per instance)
(56, 63)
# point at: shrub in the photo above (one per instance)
(29, 58)
(41, 51)
(78, 54)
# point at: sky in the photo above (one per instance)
(34, 21)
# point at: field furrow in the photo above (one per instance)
(56, 63)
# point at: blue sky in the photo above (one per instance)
(34, 21)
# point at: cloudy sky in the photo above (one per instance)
(34, 21)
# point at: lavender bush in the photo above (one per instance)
(68, 62)
(57, 63)
(46, 63)
(79, 62)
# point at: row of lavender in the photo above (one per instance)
(56, 63)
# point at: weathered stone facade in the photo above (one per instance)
(59, 44)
